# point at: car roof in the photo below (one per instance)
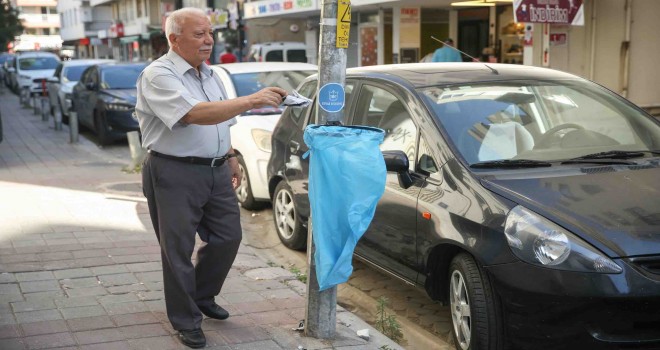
(122, 64)
(258, 67)
(280, 43)
(83, 62)
(430, 74)
(35, 54)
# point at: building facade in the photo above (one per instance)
(41, 25)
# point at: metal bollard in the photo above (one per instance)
(135, 146)
(34, 103)
(73, 127)
(24, 94)
(58, 119)
(44, 109)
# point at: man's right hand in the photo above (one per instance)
(270, 96)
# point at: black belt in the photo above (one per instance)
(212, 162)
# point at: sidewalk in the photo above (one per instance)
(80, 264)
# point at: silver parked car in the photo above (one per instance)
(60, 85)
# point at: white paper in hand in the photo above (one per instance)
(297, 100)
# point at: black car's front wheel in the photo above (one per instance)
(474, 309)
(287, 222)
(102, 129)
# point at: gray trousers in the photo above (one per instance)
(185, 199)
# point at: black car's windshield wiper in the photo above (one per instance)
(511, 163)
(616, 157)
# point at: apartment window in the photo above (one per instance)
(44, 10)
(46, 31)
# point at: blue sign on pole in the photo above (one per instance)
(331, 97)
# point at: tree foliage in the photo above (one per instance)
(10, 25)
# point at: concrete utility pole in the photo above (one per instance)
(321, 309)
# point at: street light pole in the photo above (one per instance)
(321, 308)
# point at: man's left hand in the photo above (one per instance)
(235, 172)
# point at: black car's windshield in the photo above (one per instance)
(539, 120)
(37, 63)
(249, 83)
(73, 73)
(120, 76)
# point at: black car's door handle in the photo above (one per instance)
(294, 146)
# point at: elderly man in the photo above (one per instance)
(191, 171)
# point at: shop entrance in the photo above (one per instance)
(473, 31)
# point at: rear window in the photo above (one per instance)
(275, 56)
(37, 63)
(120, 77)
(296, 56)
(73, 73)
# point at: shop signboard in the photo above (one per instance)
(549, 11)
(265, 8)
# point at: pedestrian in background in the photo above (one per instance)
(447, 53)
(228, 56)
(190, 173)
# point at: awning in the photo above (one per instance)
(129, 39)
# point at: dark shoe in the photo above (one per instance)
(193, 338)
(214, 311)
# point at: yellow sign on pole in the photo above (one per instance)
(343, 23)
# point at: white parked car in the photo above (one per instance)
(251, 135)
(278, 51)
(33, 67)
(60, 85)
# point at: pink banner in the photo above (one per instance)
(549, 11)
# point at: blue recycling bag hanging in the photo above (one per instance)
(346, 179)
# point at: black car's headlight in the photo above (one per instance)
(537, 240)
(119, 107)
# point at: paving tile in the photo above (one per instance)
(98, 336)
(55, 256)
(126, 308)
(70, 283)
(214, 339)
(134, 318)
(39, 296)
(115, 345)
(33, 305)
(81, 292)
(257, 306)
(35, 276)
(120, 279)
(151, 295)
(109, 270)
(154, 276)
(284, 293)
(49, 341)
(143, 331)
(244, 335)
(8, 298)
(9, 288)
(127, 259)
(279, 317)
(76, 302)
(127, 288)
(82, 311)
(7, 277)
(12, 344)
(39, 286)
(231, 323)
(9, 331)
(242, 297)
(261, 345)
(44, 327)
(73, 273)
(145, 267)
(89, 253)
(92, 262)
(17, 258)
(155, 343)
(35, 316)
(90, 323)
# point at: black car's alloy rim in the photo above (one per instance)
(285, 214)
(460, 310)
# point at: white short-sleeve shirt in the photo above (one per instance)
(166, 91)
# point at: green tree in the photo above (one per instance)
(10, 25)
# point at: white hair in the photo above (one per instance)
(174, 21)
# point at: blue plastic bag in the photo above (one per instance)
(346, 179)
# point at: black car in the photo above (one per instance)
(105, 97)
(527, 199)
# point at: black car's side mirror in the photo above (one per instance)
(90, 86)
(397, 161)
